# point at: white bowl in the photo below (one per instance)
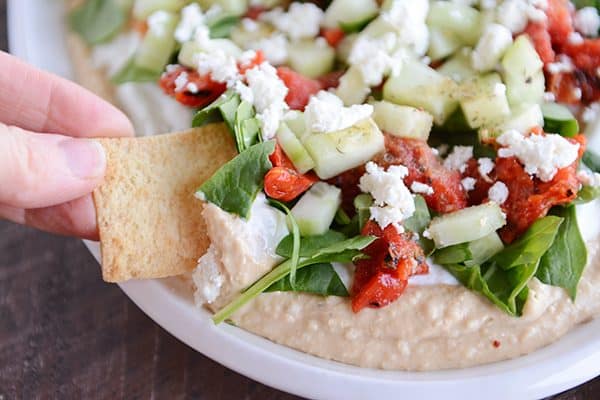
(36, 33)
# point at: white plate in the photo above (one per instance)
(37, 36)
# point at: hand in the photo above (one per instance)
(48, 166)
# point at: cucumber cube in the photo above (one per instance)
(296, 121)
(483, 100)
(521, 119)
(352, 88)
(442, 43)
(466, 225)
(143, 8)
(336, 152)
(312, 58)
(402, 121)
(420, 86)
(349, 12)
(462, 20)
(458, 67)
(522, 72)
(315, 211)
(158, 44)
(525, 90)
(294, 149)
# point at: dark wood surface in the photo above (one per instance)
(66, 334)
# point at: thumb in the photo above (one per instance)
(41, 170)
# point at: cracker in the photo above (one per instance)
(150, 223)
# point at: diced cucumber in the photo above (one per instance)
(311, 58)
(522, 119)
(316, 209)
(471, 253)
(379, 27)
(463, 20)
(362, 204)
(483, 100)
(245, 38)
(466, 225)
(296, 121)
(442, 43)
(189, 51)
(559, 119)
(345, 47)
(234, 7)
(349, 12)
(522, 72)
(143, 8)
(402, 121)
(352, 88)
(294, 149)
(493, 44)
(159, 43)
(458, 67)
(420, 86)
(336, 152)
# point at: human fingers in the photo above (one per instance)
(42, 102)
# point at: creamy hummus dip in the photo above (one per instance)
(435, 324)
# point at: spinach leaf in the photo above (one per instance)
(98, 21)
(235, 185)
(530, 247)
(222, 109)
(132, 73)
(418, 222)
(563, 263)
(309, 245)
(221, 26)
(343, 251)
(317, 279)
(586, 194)
(507, 289)
(592, 160)
(456, 254)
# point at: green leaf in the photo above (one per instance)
(318, 279)
(309, 245)
(235, 185)
(586, 194)
(362, 204)
(222, 109)
(418, 222)
(343, 251)
(295, 236)
(592, 160)
(530, 247)
(246, 127)
(98, 21)
(221, 26)
(563, 263)
(132, 73)
(456, 254)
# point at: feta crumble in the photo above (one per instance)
(457, 159)
(564, 64)
(494, 41)
(191, 18)
(392, 200)
(267, 93)
(376, 58)
(157, 21)
(421, 188)
(302, 20)
(468, 183)
(591, 113)
(408, 17)
(498, 193)
(589, 178)
(485, 165)
(542, 155)
(325, 112)
(516, 14)
(181, 81)
(587, 21)
(274, 47)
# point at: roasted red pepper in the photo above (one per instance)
(283, 182)
(205, 89)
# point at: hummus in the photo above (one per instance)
(435, 324)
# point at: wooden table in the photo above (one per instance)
(66, 334)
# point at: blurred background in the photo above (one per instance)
(64, 333)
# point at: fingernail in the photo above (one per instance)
(85, 157)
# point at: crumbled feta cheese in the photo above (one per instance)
(302, 20)
(191, 18)
(421, 188)
(488, 4)
(267, 93)
(408, 17)
(587, 21)
(491, 46)
(376, 58)
(542, 155)
(589, 178)
(157, 21)
(247, 58)
(274, 47)
(575, 38)
(427, 234)
(549, 97)
(207, 278)
(577, 93)
(485, 165)
(192, 88)
(468, 183)
(591, 113)
(249, 25)
(221, 66)
(181, 81)
(325, 112)
(564, 64)
(392, 201)
(457, 159)
(498, 193)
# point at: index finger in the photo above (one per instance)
(42, 102)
